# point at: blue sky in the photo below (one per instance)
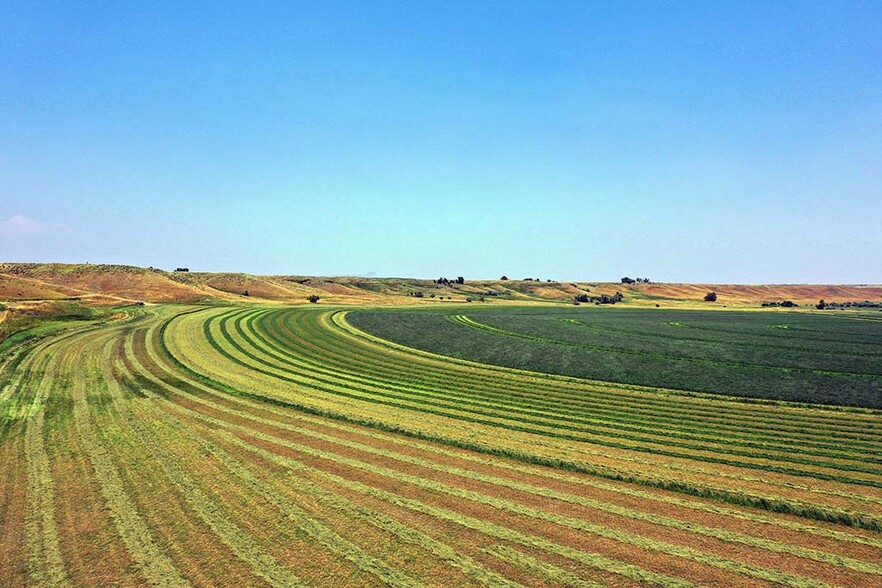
(702, 142)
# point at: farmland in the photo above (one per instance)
(796, 356)
(194, 445)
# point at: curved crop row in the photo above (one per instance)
(562, 418)
(283, 446)
(341, 390)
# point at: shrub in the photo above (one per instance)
(710, 297)
(313, 298)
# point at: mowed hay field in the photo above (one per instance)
(828, 357)
(232, 446)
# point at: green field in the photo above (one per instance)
(274, 446)
(830, 358)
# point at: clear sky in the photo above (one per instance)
(683, 141)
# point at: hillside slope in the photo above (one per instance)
(110, 283)
(115, 284)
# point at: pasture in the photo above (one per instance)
(307, 446)
(826, 357)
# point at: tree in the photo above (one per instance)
(460, 280)
(627, 280)
(821, 305)
(710, 297)
(313, 298)
(245, 293)
(503, 278)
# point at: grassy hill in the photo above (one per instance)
(102, 284)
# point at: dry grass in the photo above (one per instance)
(117, 284)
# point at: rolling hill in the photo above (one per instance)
(101, 284)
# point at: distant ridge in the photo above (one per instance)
(109, 284)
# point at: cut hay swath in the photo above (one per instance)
(285, 447)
